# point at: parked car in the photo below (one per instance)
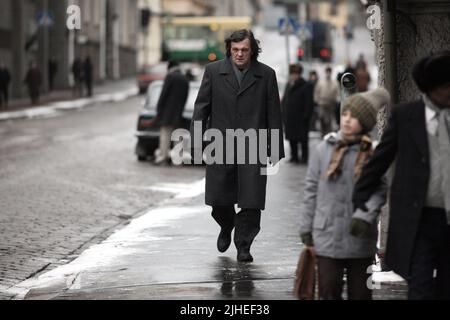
(148, 129)
(149, 73)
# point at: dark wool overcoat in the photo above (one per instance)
(172, 99)
(297, 106)
(222, 104)
(405, 141)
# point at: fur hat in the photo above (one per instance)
(365, 106)
(432, 71)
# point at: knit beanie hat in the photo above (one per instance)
(432, 71)
(365, 106)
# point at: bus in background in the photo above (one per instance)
(198, 39)
(318, 45)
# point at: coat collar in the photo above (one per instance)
(253, 74)
(417, 127)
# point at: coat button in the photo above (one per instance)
(424, 160)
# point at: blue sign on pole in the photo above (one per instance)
(45, 18)
(289, 26)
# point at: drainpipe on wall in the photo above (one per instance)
(390, 50)
(390, 83)
(116, 46)
(102, 53)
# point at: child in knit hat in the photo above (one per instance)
(341, 238)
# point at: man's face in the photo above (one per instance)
(441, 96)
(294, 76)
(241, 53)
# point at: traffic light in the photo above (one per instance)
(145, 17)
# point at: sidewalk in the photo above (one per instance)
(55, 101)
(169, 253)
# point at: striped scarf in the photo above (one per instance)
(365, 151)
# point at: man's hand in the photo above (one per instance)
(359, 228)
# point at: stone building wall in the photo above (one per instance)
(421, 27)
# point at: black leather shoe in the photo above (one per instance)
(244, 256)
(224, 240)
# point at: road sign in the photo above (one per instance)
(45, 18)
(288, 26)
(306, 31)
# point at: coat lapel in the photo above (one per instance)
(253, 74)
(417, 128)
(227, 72)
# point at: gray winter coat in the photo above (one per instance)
(327, 207)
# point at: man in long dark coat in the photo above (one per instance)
(239, 93)
(297, 105)
(418, 138)
(5, 78)
(33, 80)
(170, 108)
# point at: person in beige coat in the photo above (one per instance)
(326, 94)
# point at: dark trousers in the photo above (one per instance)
(331, 282)
(246, 224)
(3, 96)
(89, 87)
(431, 252)
(294, 150)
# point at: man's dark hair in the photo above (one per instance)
(240, 35)
(296, 68)
(172, 63)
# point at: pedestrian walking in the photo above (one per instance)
(239, 92)
(328, 224)
(88, 75)
(418, 138)
(77, 72)
(361, 61)
(170, 108)
(33, 80)
(297, 106)
(5, 79)
(313, 79)
(362, 77)
(326, 95)
(52, 70)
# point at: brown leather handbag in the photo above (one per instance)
(305, 276)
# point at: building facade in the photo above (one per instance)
(37, 31)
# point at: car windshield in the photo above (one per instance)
(154, 91)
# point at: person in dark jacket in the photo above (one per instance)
(313, 78)
(52, 70)
(5, 78)
(418, 139)
(88, 75)
(241, 94)
(170, 108)
(77, 72)
(297, 106)
(33, 80)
